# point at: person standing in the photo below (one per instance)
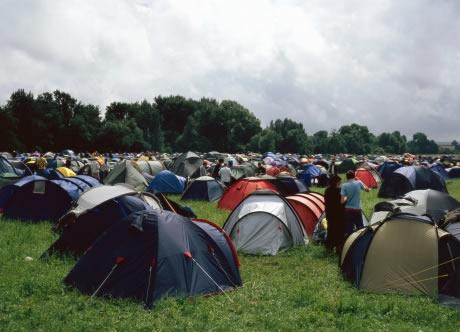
(334, 215)
(332, 170)
(215, 171)
(225, 174)
(351, 197)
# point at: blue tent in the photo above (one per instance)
(204, 188)
(80, 228)
(441, 171)
(167, 182)
(155, 254)
(387, 168)
(35, 198)
(408, 178)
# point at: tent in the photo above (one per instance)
(240, 189)
(264, 223)
(287, 185)
(387, 168)
(409, 178)
(167, 182)
(346, 165)
(155, 254)
(187, 165)
(8, 173)
(403, 254)
(440, 170)
(243, 171)
(96, 211)
(369, 177)
(128, 172)
(309, 208)
(204, 188)
(431, 203)
(151, 167)
(65, 171)
(454, 172)
(35, 198)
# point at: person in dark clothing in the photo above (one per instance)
(332, 170)
(260, 169)
(217, 167)
(334, 215)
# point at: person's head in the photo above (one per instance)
(334, 181)
(68, 162)
(221, 161)
(350, 175)
(259, 164)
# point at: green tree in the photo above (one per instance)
(357, 139)
(421, 144)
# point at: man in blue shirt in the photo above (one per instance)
(351, 196)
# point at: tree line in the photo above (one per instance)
(53, 121)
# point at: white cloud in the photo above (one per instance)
(391, 65)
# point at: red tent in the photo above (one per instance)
(306, 207)
(241, 189)
(368, 177)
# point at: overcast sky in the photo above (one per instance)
(387, 64)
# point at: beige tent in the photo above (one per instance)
(403, 254)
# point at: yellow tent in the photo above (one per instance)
(65, 171)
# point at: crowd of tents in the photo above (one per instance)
(113, 213)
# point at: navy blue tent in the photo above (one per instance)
(35, 198)
(387, 168)
(81, 227)
(204, 188)
(406, 179)
(167, 182)
(288, 185)
(441, 171)
(151, 255)
(454, 172)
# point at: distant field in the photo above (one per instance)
(299, 289)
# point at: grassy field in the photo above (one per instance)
(298, 289)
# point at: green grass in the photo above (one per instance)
(298, 289)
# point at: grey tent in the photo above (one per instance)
(243, 171)
(151, 167)
(187, 165)
(128, 172)
(264, 223)
(431, 203)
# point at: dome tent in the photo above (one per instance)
(240, 189)
(428, 202)
(8, 173)
(167, 182)
(155, 254)
(35, 198)
(382, 258)
(308, 209)
(187, 165)
(151, 167)
(128, 172)
(264, 223)
(204, 188)
(368, 176)
(409, 178)
(96, 211)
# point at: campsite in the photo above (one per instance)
(274, 285)
(264, 165)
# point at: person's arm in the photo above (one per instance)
(366, 188)
(343, 196)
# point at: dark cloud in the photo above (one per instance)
(388, 64)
